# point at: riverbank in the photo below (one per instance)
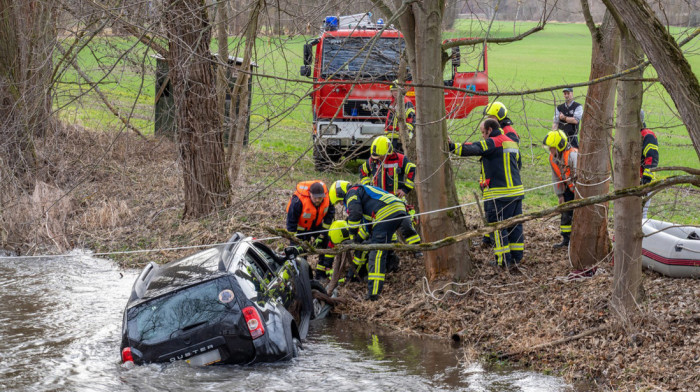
(119, 192)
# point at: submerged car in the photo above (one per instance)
(237, 303)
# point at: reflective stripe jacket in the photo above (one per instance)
(370, 204)
(508, 130)
(391, 126)
(396, 172)
(303, 215)
(500, 175)
(564, 169)
(650, 155)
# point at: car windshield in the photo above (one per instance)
(160, 318)
(363, 57)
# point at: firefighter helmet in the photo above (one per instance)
(555, 139)
(381, 146)
(337, 191)
(497, 110)
(394, 84)
(338, 232)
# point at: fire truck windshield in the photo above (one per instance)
(362, 57)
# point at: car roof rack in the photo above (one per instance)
(141, 283)
(228, 248)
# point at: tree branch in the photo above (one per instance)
(478, 41)
(568, 206)
(99, 92)
(585, 8)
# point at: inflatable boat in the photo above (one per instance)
(670, 249)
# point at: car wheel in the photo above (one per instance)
(321, 308)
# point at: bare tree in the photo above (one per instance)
(200, 139)
(27, 39)
(421, 25)
(675, 73)
(239, 96)
(627, 280)
(589, 237)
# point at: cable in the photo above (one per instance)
(137, 251)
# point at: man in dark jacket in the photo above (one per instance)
(567, 117)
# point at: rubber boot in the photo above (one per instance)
(564, 242)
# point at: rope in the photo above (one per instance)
(137, 251)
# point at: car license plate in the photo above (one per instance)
(333, 142)
(205, 359)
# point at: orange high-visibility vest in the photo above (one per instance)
(310, 215)
(567, 168)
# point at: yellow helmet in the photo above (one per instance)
(497, 110)
(394, 84)
(337, 191)
(338, 232)
(381, 146)
(555, 139)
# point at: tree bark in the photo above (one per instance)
(199, 137)
(627, 279)
(589, 238)
(421, 25)
(674, 71)
(27, 40)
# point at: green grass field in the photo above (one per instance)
(281, 112)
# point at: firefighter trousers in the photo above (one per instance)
(382, 232)
(567, 217)
(508, 242)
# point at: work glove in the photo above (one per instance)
(319, 242)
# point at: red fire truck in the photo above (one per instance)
(348, 109)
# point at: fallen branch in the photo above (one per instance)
(490, 228)
(327, 298)
(554, 343)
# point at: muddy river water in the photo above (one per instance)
(60, 325)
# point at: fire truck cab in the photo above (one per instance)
(353, 65)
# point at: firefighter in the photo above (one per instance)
(499, 112)
(384, 214)
(390, 171)
(309, 215)
(563, 159)
(650, 158)
(502, 187)
(391, 127)
(387, 169)
(338, 233)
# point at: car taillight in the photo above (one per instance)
(255, 325)
(126, 355)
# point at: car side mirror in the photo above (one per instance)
(305, 70)
(456, 57)
(291, 252)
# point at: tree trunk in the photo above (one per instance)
(674, 71)
(239, 98)
(450, 16)
(421, 26)
(27, 39)
(627, 279)
(589, 238)
(199, 136)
